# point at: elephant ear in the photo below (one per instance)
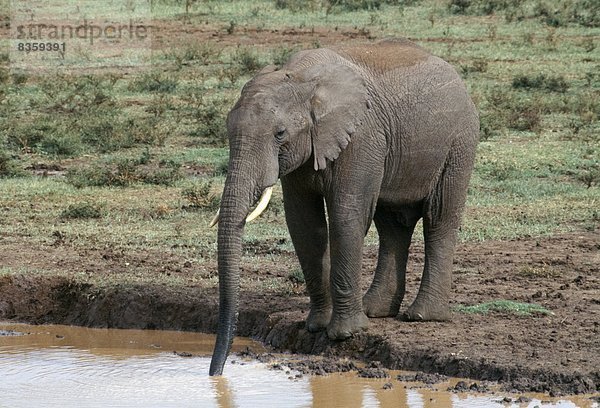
(338, 104)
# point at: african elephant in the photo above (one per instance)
(383, 132)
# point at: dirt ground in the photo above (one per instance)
(558, 353)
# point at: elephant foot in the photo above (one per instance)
(318, 320)
(377, 304)
(342, 328)
(422, 311)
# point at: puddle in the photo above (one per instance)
(74, 367)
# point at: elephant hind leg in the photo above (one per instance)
(441, 221)
(386, 292)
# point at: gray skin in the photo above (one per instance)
(383, 132)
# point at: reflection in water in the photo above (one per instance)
(224, 394)
(74, 367)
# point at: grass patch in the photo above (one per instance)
(538, 271)
(503, 306)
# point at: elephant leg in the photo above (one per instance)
(432, 299)
(386, 292)
(305, 217)
(349, 219)
(441, 221)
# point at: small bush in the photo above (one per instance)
(9, 166)
(281, 55)
(296, 276)
(71, 94)
(222, 168)
(247, 60)
(209, 114)
(204, 53)
(482, 7)
(299, 5)
(201, 196)
(125, 172)
(82, 211)
(61, 144)
(153, 82)
(588, 173)
(525, 118)
(504, 109)
(556, 14)
(4, 75)
(26, 135)
(479, 65)
(541, 81)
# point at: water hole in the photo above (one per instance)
(65, 366)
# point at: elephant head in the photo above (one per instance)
(307, 110)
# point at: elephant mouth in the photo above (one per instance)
(263, 202)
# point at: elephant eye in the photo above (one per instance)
(280, 133)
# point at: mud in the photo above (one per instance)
(556, 354)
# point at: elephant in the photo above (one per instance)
(382, 132)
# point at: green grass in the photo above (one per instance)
(144, 143)
(503, 306)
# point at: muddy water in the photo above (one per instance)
(52, 366)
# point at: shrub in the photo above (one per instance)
(525, 118)
(209, 114)
(201, 196)
(222, 168)
(82, 211)
(296, 276)
(153, 82)
(124, 172)
(482, 7)
(556, 14)
(541, 81)
(299, 5)
(281, 55)
(588, 172)
(339, 5)
(4, 75)
(26, 135)
(69, 94)
(247, 60)
(61, 144)
(203, 53)
(9, 166)
(479, 65)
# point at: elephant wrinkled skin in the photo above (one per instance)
(383, 132)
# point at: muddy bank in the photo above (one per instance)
(557, 353)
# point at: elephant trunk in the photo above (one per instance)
(238, 194)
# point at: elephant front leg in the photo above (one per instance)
(305, 217)
(349, 221)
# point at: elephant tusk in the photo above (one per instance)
(215, 219)
(262, 204)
